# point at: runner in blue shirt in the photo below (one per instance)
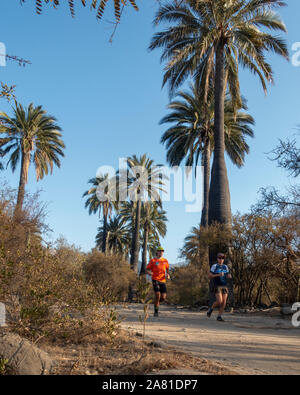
(219, 273)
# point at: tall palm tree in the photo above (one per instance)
(206, 38)
(98, 5)
(103, 198)
(118, 236)
(145, 182)
(32, 136)
(191, 134)
(153, 220)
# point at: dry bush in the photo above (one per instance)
(189, 285)
(45, 290)
(45, 298)
(263, 258)
(110, 275)
(66, 253)
(128, 355)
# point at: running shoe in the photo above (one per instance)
(219, 318)
(209, 312)
(155, 313)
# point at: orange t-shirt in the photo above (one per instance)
(158, 266)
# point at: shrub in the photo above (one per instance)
(189, 285)
(45, 290)
(110, 275)
(263, 257)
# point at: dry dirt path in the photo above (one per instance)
(247, 343)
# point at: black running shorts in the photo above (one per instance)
(221, 290)
(159, 287)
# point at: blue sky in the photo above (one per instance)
(107, 98)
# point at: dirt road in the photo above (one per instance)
(247, 343)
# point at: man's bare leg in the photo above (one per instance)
(217, 303)
(163, 297)
(156, 303)
(223, 304)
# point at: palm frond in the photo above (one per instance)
(99, 6)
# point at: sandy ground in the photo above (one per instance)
(247, 343)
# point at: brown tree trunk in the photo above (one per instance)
(144, 254)
(206, 179)
(135, 248)
(104, 236)
(25, 161)
(219, 196)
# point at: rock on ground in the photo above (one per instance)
(286, 310)
(22, 357)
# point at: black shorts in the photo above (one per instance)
(221, 289)
(159, 287)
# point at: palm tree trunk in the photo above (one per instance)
(25, 161)
(206, 171)
(219, 196)
(135, 247)
(144, 254)
(104, 236)
(110, 250)
(204, 214)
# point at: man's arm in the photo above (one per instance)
(228, 275)
(211, 274)
(149, 269)
(167, 270)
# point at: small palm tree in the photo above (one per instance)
(191, 134)
(191, 250)
(153, 221)
(30, 135)
(118, 236)
(102, 199)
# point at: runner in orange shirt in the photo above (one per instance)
(158, 268)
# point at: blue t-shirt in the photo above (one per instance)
(220, 281)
